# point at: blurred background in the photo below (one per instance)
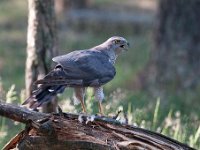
(157, 82)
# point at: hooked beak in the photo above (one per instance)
(125, 46)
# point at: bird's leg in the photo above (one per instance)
(99, 95)
(100, 108)
(83, 106)
(79, 95)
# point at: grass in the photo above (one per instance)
(170, 116)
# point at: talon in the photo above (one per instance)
(80, 118)
(90, 119)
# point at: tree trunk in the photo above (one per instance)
(175, 61)
(72, 131)
(41, 43)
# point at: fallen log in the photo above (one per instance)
(68, 131)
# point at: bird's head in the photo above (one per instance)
(118, 44)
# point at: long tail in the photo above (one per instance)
(53, 83)
(43, 94)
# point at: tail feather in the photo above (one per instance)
(28, 100)
(48, 88)
(43, 95)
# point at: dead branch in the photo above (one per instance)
(81, 131)
(18, 113)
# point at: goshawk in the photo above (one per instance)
(80, 69)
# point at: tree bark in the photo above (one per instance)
(41, 42)
(175, 61)
(79, 131)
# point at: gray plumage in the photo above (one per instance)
(91, 66)
(79, 69)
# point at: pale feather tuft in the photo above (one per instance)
(76, 101)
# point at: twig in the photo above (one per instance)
(115, 117)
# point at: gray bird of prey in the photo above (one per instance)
(80, 69)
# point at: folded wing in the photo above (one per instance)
(92, 67)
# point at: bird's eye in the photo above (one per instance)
(116, 41)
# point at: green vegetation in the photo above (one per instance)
(170, 117)
(151, 117)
